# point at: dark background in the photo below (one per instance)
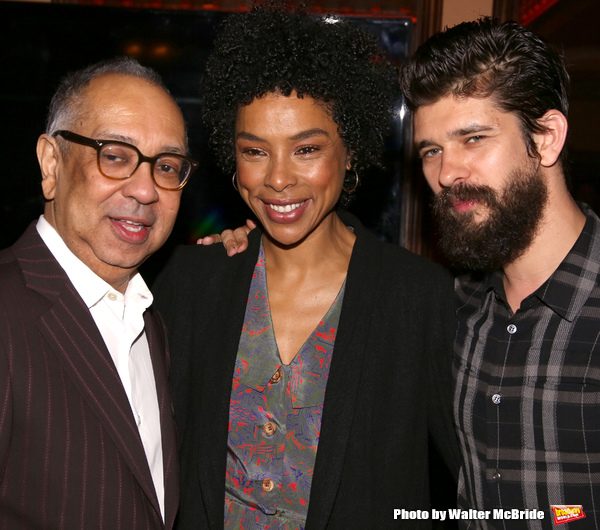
(42, 42)
(572, 27)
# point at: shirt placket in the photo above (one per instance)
(509, 407)
(500, 348)
(273, 431)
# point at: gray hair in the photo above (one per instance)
(65, 105)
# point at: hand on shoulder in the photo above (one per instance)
(235, 241)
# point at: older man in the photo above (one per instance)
(87, 438)
(490, 124)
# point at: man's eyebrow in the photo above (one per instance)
(129, 140)
(470, 129)
(457, 133)
(423, 143)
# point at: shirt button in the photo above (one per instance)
(267, 484)
(511, 328)
(112, 296)
(270, 428)
(496, 476)
(277, 376)
(497, 398)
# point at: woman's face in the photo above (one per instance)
(291, 164)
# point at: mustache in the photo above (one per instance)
(463, 192)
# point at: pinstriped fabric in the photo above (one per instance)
(156, 333)
(527, 395)
(70, 452)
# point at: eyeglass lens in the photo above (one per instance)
(119, 161)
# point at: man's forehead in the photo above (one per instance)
(111, 89)
(454, 115)
(113, 102)
(459, 101)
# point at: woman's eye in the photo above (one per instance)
(251, 152)
(307, 150)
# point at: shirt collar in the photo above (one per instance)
(571, 284)
(258, 360)
(87, 283)
(308, 372)
(569, 287)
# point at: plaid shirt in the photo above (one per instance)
(527, 396)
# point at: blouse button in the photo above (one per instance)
(277, 376)
(497, 398)
(511, 328)
(270, 428)
(267, 484)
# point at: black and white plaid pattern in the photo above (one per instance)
(527, 395)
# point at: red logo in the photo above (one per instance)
(566, 513)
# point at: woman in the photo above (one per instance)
(302, 369)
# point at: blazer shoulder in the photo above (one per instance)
(391, 259)
(396, 262)
(12, 279)
(189, 262)
(193, 266)
(418, 265)
(7, 258)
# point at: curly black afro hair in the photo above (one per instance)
(274, 49)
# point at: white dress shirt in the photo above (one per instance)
(120, 319)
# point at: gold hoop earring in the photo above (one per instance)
(233, 182)
(355, 184)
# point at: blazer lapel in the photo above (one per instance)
(75, 339)
(160, 360)
(343, 387)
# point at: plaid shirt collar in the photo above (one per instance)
(571, 284)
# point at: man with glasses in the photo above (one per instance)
(87, 437)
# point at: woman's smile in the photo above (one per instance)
(291, 164)
(285, 209)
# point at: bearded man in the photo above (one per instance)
(490, 106)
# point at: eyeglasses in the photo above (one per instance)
(119, 160)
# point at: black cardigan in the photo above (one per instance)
(389, 382)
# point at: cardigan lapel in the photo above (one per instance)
(72, 334)
(212, 450)
(160, 359)
(343, 386)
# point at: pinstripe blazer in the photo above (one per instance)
(70, 452)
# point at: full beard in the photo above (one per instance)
(511, 224)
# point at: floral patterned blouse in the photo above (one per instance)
(274, 418)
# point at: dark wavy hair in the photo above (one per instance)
(274, 49)
(518, 69)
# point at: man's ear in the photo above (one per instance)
(48, 154)
(551, 141)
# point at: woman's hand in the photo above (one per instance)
(235, 241)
